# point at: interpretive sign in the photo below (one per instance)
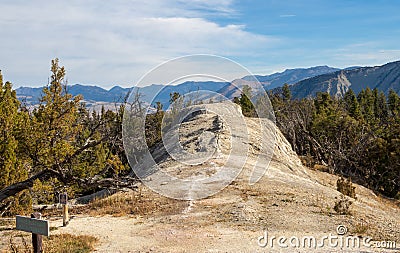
(33, 225)
(63, 198)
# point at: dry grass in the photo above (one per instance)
(320, 201)
(361, 228)
(63, 243)
(7, 224)
(321, 167)
(69, 243)
(19, 244)
(136, 203)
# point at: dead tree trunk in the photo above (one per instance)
(13, 189)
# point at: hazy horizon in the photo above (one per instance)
(108, 87)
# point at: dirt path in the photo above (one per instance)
(234, 219)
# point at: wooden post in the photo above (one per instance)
(36, 238)
(64, 201)
(65, 215)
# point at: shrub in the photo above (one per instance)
(342, 205)
(345, 186)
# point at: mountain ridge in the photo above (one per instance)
(93, 93)
(290, 76)
(384, 78)
(304, 82)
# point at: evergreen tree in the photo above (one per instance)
(394, 102)
(153, 126)
(247, 106)
(323, 103)
(367, 103)
(11, 168)
(381, 108)
(60, 144)
(352, 105)
(54, 124)
(246, 90)
(173, 97)
(286, 94)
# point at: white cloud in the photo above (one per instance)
(287, 15)
(113, 42)
(364, 54)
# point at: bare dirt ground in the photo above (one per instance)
(289, 201)
(234, 219)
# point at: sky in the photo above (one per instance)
(108, 43)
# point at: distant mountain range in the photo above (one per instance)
(93, 95)
(304, 82)
(383, 78)
(157, 92)
(290, 76)
(89, 92)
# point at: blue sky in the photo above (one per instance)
(116, 42)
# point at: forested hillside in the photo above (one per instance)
(357, 136)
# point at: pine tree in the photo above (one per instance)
(381, 109)
(153, 126)
(54, 123)
(11, 168)
(323, 103)
(247, 91)
(352, 105)
(394, 102)
(248, 109)
(61, 143)
(367, 103)
(173, 97)
(287, 95)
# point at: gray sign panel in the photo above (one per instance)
(63, 198)
(32, 225)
